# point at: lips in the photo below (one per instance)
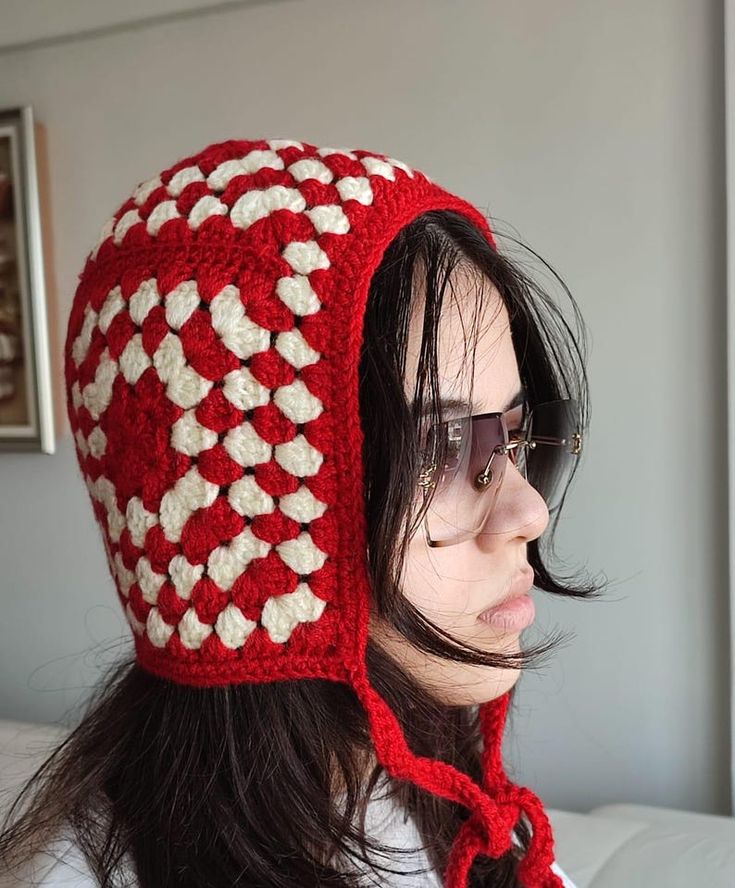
(520, 585)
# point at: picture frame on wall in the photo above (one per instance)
(26, 406)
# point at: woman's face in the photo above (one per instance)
(453, 585)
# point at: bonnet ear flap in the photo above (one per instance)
(495, 808)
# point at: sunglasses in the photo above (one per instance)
(465, 460)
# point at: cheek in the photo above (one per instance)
(450, 586)
(447, 586)
(445, 602)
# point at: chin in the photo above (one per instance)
(499, 684)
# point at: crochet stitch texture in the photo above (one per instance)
(211, 368)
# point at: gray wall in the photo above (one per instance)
(591, 129)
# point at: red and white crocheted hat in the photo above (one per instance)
(211, 365)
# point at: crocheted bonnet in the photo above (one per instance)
(211, 368)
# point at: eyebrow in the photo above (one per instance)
(450, 404)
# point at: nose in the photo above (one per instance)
(519, 508)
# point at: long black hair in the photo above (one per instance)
(236, 786)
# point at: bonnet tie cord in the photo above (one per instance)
(533, 870)
(488, 829)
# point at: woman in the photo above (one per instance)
(309, 545)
